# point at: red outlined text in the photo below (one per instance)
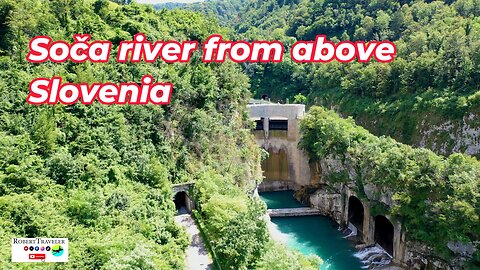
(170, 51)
(214, 49)
(42, 49)
(51, 91)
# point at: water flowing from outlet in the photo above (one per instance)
(374, 257)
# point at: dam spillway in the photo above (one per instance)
(277, 131)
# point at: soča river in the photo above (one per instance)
(311, 234)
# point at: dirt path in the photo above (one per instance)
(196, 255)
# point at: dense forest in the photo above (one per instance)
(101, 175)
(435, 74)
(225, 12)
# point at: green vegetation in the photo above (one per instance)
(433, 80)
(435, 75)
(437, 199)
(226, 12)
(235, 224)
(427, 36)
(101, 175)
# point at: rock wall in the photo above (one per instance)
(332, 199)
(418, 256)
(438, 133)
(461, 136)
(329, 203)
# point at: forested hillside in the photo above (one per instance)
(101, 175)
(226, 12)
(426, 97)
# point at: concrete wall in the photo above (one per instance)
(281, 173)
(368, 236)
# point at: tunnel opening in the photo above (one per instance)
(384, 231)
(181, 201)
(356, 213)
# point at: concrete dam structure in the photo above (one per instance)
(277, 132)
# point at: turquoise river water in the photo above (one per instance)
(312, 234)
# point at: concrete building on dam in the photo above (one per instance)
(277, 132)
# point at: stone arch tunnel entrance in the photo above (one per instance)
(182, 202)
(356, 213)
(384, 231)
(181, 197)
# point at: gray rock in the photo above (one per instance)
(463, 249)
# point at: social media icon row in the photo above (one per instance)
(36, 248)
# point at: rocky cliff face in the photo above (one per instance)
(460, 136)
(438, 133)
(329, 203)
